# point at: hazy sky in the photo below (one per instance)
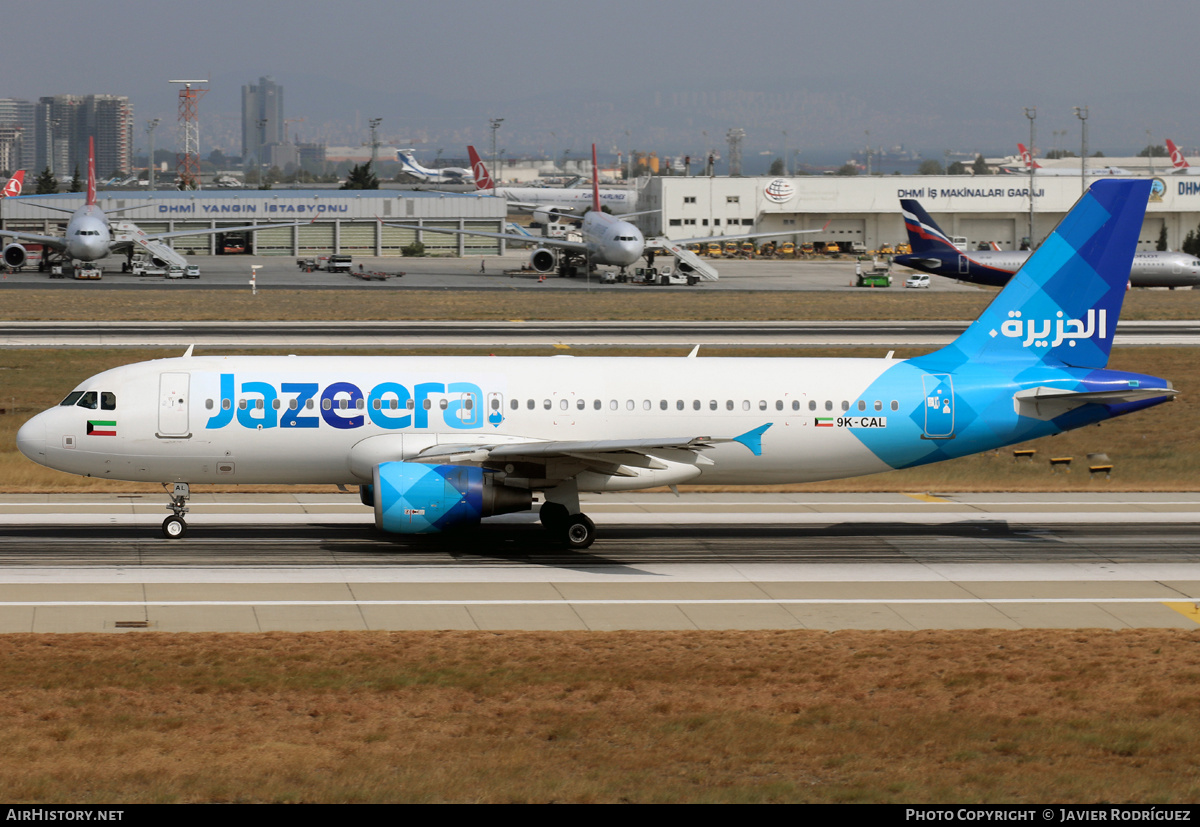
(942, 74)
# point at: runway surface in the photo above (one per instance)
(301, 562)
(449, 335)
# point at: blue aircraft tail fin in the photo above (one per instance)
(924, 235)
(1062, 306)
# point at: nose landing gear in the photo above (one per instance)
(174, 526)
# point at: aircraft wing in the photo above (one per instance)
(214, 230)
(56, 242)
(603, 453)
(745, 236)
(509, 237)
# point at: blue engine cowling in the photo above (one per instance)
(413, 498)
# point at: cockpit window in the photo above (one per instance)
(108, 401)
(89, 400)
(71, 399)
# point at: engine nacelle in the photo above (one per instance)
(543, 260)
(15, 255)
(550, 215)
(414, 498)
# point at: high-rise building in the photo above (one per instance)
(63, 124)
(262, 118)
(16, 122)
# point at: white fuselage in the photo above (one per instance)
(612, 241)
(620, 201)
(445, 175)
(88, 237)
(1153, 269)
(275, 419)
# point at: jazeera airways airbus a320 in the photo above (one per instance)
(439, 443)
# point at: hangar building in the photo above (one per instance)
(867, 209)
(341, 221)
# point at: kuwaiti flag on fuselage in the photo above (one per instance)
(102, 427)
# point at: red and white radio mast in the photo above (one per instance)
(187, 159)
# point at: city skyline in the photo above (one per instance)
(675, 81)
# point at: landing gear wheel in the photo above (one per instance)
(580, 532)
(553, 516)
(173, 528)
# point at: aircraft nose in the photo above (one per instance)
(31, 439)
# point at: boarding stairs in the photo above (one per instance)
(128, 232)
(699, 266)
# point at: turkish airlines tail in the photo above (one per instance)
(483, 181)
(595, 182)
(13, 187)
(1177, 159)
(91, 195)
(1027, 157)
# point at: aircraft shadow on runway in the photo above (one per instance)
(623, 546)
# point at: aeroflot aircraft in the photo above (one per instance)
(436, 443)
(88, 236)
(932, 252)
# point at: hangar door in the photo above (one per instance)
(1001, 230)
(1148, 237)
(841, 231)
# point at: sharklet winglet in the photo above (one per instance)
(753, 439)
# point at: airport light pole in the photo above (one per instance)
(1150, 150)
(150, 127)
(1081, 112)
(1031, 113)
(495, 125)
(374, 125)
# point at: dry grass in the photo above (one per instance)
(939, 717)
(346, 304)
(1153, 450)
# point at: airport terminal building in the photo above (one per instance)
(867, 209)
(858, 209)
(342, 221)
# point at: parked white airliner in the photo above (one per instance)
(89, 237)
(552, 203)
(445, 175)
(441, 442)
(607, 240)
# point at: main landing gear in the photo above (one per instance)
(575, 531)
(174, 527)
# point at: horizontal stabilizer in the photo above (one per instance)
(1046, 403)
